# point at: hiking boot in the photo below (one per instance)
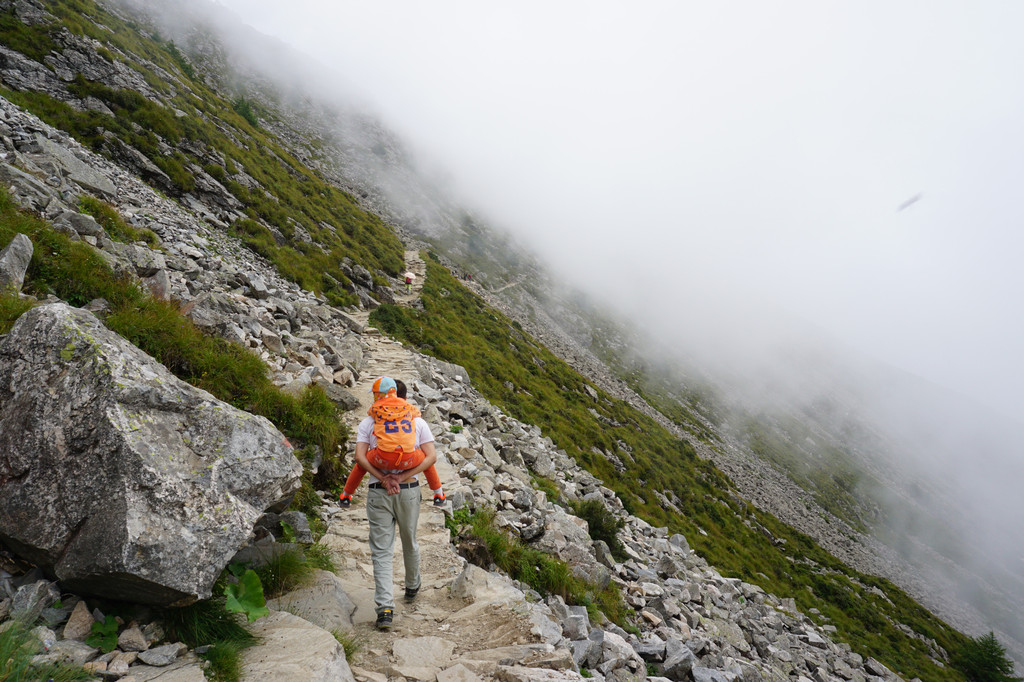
(410, 594)
(384, 619)
(345, 501)
(439, 500)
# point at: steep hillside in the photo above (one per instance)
(118, 87)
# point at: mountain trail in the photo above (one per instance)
(480, 635)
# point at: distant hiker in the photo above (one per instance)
(408, 284)
(396, 441)
(393, 498)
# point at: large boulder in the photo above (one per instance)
(118, 479)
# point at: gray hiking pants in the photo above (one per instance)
(383, 511)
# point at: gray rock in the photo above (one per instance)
(132, 639)
(293, 650)
(71, 652)
(30, 600)
(679, 660)
(162, 656)
(322, 602)
(119, 479)
(14, 261)
(702, 674)
(82, 223)
(79, 625)
(76, 170)
(142, 261)
(299, 525)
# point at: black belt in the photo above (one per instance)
(414, 484)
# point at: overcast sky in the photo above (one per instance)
(729, 151)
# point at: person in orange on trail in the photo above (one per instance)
(396, 429)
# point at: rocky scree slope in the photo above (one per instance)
(693, 624)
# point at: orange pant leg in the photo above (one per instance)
(354, 479)
(433, 480)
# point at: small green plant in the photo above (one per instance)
(585, 673)
(458, 520)
(348, 643)
(548, 487)
(104, 635)
(455, 428)
(288, 533)
(246, 596)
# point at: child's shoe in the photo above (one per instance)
(345, 501)
(439, 499)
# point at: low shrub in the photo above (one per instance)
(602, 525)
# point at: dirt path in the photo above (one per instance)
(473, 631)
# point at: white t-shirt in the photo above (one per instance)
(364, 434)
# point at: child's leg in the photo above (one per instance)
(433, 480)
(354, 479)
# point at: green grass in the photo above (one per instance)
(111, 221)
(205, 622)
(225, 662)
(284, 572)
(18, 647)
(349, 643)
(319, 556)
(741, 541)
(11, 308)
(32, 41)
(208, 622)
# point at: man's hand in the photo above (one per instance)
(391, 484)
